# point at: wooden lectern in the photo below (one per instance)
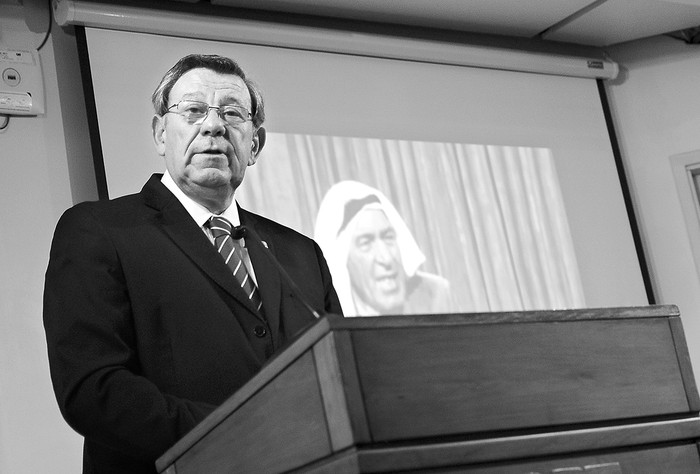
(590, 391)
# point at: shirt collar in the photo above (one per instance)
(199, 213)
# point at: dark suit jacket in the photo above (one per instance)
(148, 330)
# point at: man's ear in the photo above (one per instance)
(259, 138)
(158, 127)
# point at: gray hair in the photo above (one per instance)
(220, 64)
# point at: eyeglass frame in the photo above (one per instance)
(218, 108)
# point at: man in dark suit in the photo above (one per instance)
(148, 329)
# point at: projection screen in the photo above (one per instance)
(505, 180)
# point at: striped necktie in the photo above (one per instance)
(230, 250)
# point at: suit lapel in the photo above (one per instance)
(186, 234)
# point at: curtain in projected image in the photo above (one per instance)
(490, 219)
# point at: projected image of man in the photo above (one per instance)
(377, 277)
(373, 257)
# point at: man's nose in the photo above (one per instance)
(213, 124)
(382, 254)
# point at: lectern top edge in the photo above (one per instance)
(653, 311)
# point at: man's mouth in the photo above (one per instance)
(213, 151)
(387, 282)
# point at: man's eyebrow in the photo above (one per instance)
(192, 96)
(231, 98)
(365, 235)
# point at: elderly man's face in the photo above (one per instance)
(210, 158)
(374, 262)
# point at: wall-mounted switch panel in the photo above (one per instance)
(21, 83)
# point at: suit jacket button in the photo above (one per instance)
(260, 331)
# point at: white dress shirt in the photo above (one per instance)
(201, 215)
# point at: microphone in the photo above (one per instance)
(242, 231)
(238, 232)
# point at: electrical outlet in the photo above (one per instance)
(21, 83)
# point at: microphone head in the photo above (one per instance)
(238, 232)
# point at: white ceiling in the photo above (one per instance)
(596, 23)
(586, 22)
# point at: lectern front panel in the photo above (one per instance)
(463, 379)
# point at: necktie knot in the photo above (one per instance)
(220, 226)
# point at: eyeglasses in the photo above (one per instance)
(195, 112)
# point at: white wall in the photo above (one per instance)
(656, 108)
(46, 167)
